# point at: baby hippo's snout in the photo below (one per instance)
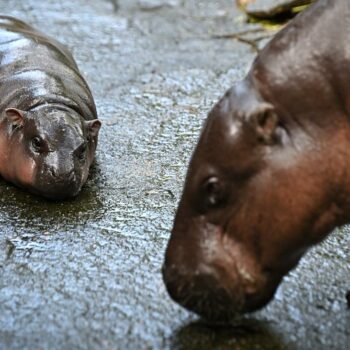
(62, 177)
(70, 175)
(60, 186)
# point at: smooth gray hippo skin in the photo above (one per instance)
(270, 175)
(48, 119)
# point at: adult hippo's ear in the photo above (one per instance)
(265, 122)
(93, 127)
(15, 117)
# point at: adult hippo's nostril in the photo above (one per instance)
(215, 294)
(203, 291)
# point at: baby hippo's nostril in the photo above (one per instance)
(80, 153)
(71, 175)
(53, 172)
(59, 176)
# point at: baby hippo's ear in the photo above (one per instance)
(93, 127)
(15, 117)
(265, 123)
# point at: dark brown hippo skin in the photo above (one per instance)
(48, 120)
(270, 175)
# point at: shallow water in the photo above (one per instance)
(85, 273)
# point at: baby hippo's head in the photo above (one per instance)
(50, 150)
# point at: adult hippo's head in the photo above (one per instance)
(49, 150)
(261, 188)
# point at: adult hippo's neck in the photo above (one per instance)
(303, 73)
(304, 70)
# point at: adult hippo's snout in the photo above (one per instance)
(213, 276)
(270, 174)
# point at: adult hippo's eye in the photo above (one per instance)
(37, 144)
(213, 191)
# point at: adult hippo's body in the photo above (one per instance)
(270, 175)
(48, 119)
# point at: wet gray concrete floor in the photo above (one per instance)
(85, 273)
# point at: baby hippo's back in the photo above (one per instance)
(37, 69)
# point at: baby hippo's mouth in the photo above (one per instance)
(60, 187)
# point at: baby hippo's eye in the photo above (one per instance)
(213, 191)
(37, 144)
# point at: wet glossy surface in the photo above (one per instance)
(86, 273)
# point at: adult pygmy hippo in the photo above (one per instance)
(48, 119)
(270, 175)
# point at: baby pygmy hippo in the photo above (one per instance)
(48, 119)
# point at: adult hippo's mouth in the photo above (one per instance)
(209, 273)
